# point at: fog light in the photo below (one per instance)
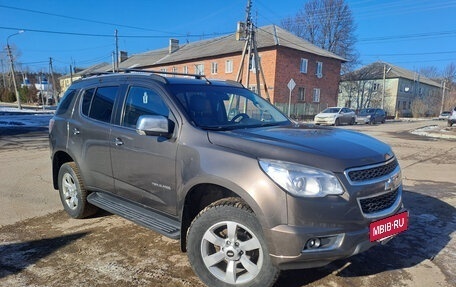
(313, 243)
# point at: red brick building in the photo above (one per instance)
(283, 56)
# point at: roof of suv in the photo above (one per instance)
(166, 77)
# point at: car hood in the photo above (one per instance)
(326, 115)
(327, 148)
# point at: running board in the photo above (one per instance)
(140, 215)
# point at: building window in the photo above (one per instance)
(301, 94)
(375, 87)
(316, 95)
(185, 69)
(214, 68)
(229, 66)
(319, 71)
(404, 105)
(174, 69)
(199, 69)
(303, 66)
(254, 89)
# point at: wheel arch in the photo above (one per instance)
(58, 160)
(199, 197)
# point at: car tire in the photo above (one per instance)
(226, 246)
(352, 121)
(73, 193)
(336, 122)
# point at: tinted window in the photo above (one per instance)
(86, 100)
(103, 103)
(66, 101)
(142, 101)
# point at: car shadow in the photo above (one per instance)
(15, 257)
(431, 223)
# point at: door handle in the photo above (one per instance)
(118, 141)
(76, 131)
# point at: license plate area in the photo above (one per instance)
(387, 227)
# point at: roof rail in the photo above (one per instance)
(196, 76)
(158, 73)
(86, 75)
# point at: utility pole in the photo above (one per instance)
(247, 31)
(443, 96)
(10, 55)
(51, 71)
(384, 84)
(117, 51)
(3, 74)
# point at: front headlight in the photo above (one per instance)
(300, 180)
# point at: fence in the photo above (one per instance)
(301, 111)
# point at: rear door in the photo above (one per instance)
(144, 166)
(89, 136)
(346, 115)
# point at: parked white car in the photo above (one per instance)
(335, 116)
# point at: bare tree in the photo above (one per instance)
(329, 25)
(449, 76)
(449, 73)
(430, 72)
(361, 89)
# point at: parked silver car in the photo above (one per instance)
(444, 115)
(335, 116)
(371, 116)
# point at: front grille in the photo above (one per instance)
(373, 172)
(378, 203)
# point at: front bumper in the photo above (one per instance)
(362, 120)
(335, 244)
(325, 121)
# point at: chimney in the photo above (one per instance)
(173, 45)
(123, 56)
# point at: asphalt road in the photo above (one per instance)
(41, 246)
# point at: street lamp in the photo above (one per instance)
(12, 67)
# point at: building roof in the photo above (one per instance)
(375, 71)
(267, 36)
(98, 68)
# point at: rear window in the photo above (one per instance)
(66, 101)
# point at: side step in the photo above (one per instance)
(140, 215)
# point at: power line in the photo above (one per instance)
(86, 20)
(108, 35)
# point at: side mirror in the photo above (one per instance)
(155, 126)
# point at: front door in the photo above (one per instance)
(144, 166)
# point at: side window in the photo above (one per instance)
(86, 100)
(66, 101)
(99, 105)
(103, 103)
(142, 101)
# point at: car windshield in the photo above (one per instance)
(365, 112)
(331, 111)
(226, 108)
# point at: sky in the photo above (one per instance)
(412, 34)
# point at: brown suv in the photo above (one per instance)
(245, 190)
